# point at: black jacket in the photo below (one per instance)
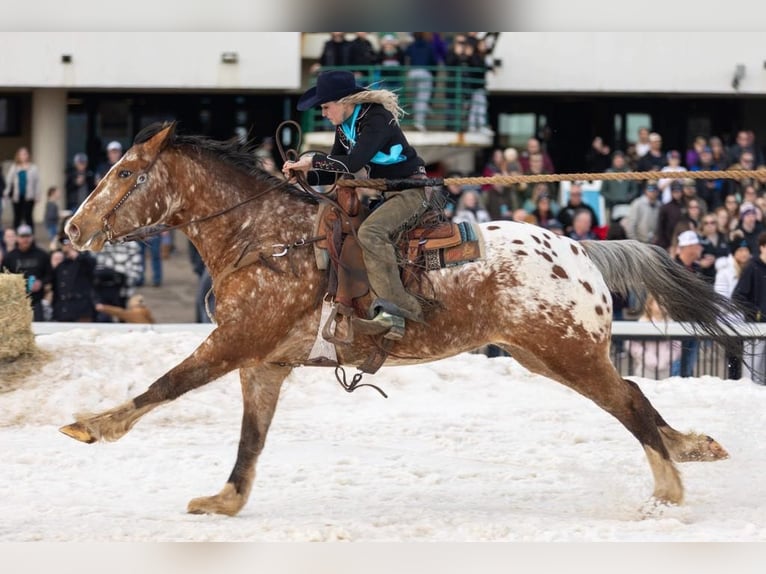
(376, 130)
(33, 262)
(750, 290)
(73, 289)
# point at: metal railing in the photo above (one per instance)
(711, 359)
(436, 98)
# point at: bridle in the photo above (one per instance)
(146, 232)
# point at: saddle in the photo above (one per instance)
(434, 243)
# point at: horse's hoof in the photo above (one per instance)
(78, 431)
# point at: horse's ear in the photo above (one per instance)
(161, 139)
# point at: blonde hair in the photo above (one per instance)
(385, 98)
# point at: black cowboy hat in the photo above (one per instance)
(331, 86)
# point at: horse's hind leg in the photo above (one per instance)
(593, 375)
(215, 357)
(686, 447)
(260, 392)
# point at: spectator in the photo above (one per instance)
(452, 193)
(719, 153)
(136, 311)
(750, 291)
(23, 182)
(711, 190)
(544, 212)
(643, 144)
(689, 191)
(750, 227)
(534, 148)
(714, 241)
(597, 159)
(724, 222)
(361, 56)
(334, 53)
(689, 253)
(513, 167)
(737, 186)
(673, 165)
(477, 110)
(582, 224)
(745, 142)
(457, 88)
(574, 204)
(8, 243)
(204, 286)
(731, 203)
(113, 155)
(536, 166)
(618, 192)
(73, 285)
(469, 208)
(420, 56)
(118, 268)
(713, 245)
(32, 262)
(52, 213)
(727, 275)
(154, 246)
(80, 181)
(669, 215)
(654, 159)
(498, 196)
(694, 153)
(653, 358)
(644, 215)
(390, 56)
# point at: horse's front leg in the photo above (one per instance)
(260, 392)
(215, 357)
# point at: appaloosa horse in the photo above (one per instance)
(545, 299)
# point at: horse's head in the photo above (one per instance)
(132, 195)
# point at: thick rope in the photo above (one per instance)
(388, 184)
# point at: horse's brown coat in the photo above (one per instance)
(549, 310)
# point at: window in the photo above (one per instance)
(632, 124)
(516, 129)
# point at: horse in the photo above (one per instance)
(545, 299)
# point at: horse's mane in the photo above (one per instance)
(239, 155)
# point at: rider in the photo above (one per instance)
(368, 134)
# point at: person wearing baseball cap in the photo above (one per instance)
(368, 135)
(750, 226)
(33, 263)
(643, 218)
(113, 155)
(688, 255)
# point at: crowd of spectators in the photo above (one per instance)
(62, 283)
(704, 224)
(412, 64)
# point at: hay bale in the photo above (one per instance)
(16, 336)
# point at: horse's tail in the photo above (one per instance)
(630, 266)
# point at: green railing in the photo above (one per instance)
(445, 106)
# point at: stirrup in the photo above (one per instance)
(338, 313)
(384, 323)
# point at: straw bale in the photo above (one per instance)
(16, 336)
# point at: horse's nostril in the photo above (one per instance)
(72, 230)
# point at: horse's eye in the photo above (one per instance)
(125, 173)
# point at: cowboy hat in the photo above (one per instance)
(331, 86)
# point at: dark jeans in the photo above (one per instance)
(22, 213)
